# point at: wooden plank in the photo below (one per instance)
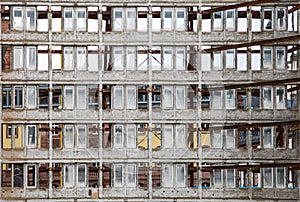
(294, 9)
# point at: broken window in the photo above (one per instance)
(93, 58)
(292, 94)
(81, 58)
(93, 136)
(43, 136)
(192, 175)
(93, 19)
(180, 97)
(142, 58)
(205, 98)
(81, 136)
(218, 178)
(156, 136)
(107, 135)
(168, 137)
(268, 137)
(6, 97)
(31, 136)
(69, 173)
(81, 97)
(31, 58)
(180, 178)
(292, 179)
(218, 21)
(93, 99)
(106, 175)
(142, 136)
(57, 175)
(167, 175)
(17, 18)
(241, 59)
(6, 57)
(118, 19)
(142, 97)
(255, 98)
(281, 18)
(118, 175)
(118, 99)
(206, 20)
(280, 97)
(57, 135)
(267, 97)
(31, 176)
(267, 57)
(192, 139)
(18, 57)
(255, 58)
(68, 19)
(57, 97)
(69, 97)
(241, 98)
(156, 96)
(230, 19)
(131, 97)
(180, 137)
(217, 100)
(268, 177)
(230, 99)
(167, 99)
(81, 19)
(192, 97)
(43, 176)
(68, 136)
(255, 138)
(118, 63)
(230, 59)
(292, 20)
(68, 58)
(280, 177)
(43, 62)
(93, 176)
(131, 136)
(118, 136)
(217, 139)
(230, 139)
(81, 175)
(6, 174)
(230, 178)
(256, 178)
(280, 58)
(242, 138)
(43, 97)
(218, 60)
(267, 19)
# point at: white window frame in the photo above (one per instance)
(264, 20)
(233, 180)
(68, 22)
(230, 59)
(284, 178)
(217, 103)
(17, 98)
(31, 57)
(268, 136)
(18, 54)
(168, 137)
(178, 182)
(217, 139)
(131, 175)
(81, 58)
(230, 22)
(131, 20)
(131, 136)
(283, 58)
(180, 24)
(68, 98)
(118, 136)
(219, 185)
(180, 139)
(28, 25)
(81, 184)
(29, 144)
(180, 59)
(168, 22)
(168, 97)
(83, 136)
(256, 58)
(68, 141)
(230, 99)
(118, 24)
(281, 105)
(283, 27)
(218, 22)
(35, 177)
(118, 184)
(167, 175)
(228, 144)
(31, 97)
(81, 105)
(131, 58)
(218, 60)
(72, 175)
(131, 97)
(167, 58)
(180, 101)
(266, 63)
(266, 183)
(267, 104)
(81, 22)
(68, 58)
(118, 63)
(18, 21)
(118, 101)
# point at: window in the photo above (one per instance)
(81, 136)
(142, 97)
(68, 175)
(68, 19)
(180, 19)
(118, 175)
(93, 58)
(167, 98)
(217, 139)
(255, 58)
(218, 21)
(218, 60)
(131, 58)
(230, 59)
(256, 19)
(230, 99)
(168, 16)
(230, 16)
(267, 99)
(81, 19)
(118, 136)
(268, 19)
(93, 97)
(131, 19)
(156, 96)
(180, 97)
(30, 19)
(18, 57)
(118, 19)
(142, 58)
(81, 97)
(131, 175)
(131, 136)
(31, 180)
(268, 177)
(17, 18)
(69, 136)
(230, 178)
(268, 137)
(168, 137)
(180, 138)
(118, 98)
(31, 136)
(81, 175)
(255, 98)
(156, 58)
(230, 139)
(280, 58)
(217, 100)
(57, 97)
(267, 57)
(6, 97)
(81, 58)
(242, 19)
(180, 59)
(167, 58)
(280, 97)
(167, 175)
(131, 97)
(43, 64)
(31, 58)
(69, 97)
(280, 178)
(217, 178)
(43, 96)
(68, 58)
(281, 19)
(180, 175)
(241, 62)
(118, 63)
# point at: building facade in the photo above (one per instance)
(149, 100)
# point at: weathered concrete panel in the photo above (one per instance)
(122, 76)
(181, 76)
(175, 192)
(176, 154)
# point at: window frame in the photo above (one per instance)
(80, 27)
(84, 144)
(118, 135)
(27, 176)
(29, 145)
(18, 21)
(68, 23)
(17, 98)
(71, 104)
(30, 60)
(18, 53)
(28, 25)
